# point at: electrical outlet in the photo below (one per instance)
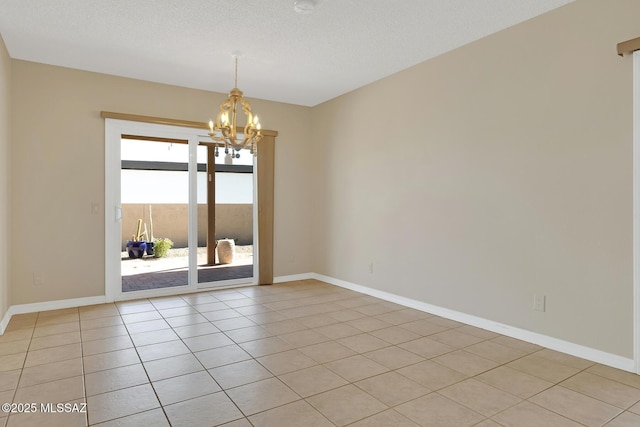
(38, 279)
(539, 302)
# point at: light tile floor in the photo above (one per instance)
(297, 354)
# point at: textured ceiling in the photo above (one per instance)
(286, 57)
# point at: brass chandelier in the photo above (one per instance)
(224, 129)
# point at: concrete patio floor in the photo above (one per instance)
(172, 270)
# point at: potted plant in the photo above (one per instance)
(226, 249)
(161, 246)
(150, 239)
(150, 246)
(137, 246)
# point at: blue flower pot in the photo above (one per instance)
(136, 249)
(150, 248)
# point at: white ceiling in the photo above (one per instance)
(286, 57)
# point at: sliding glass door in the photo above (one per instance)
(162, 207)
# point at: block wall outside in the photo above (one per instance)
(234, 221)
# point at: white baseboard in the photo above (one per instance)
(78, 302)
(567, 347)
(48, 305)
(5, 322)
(293, 277)
(56, 305)
(101, 299)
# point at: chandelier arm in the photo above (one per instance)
(234, 115)
(252, 134)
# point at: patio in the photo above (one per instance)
(172, 270)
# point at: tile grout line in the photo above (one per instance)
(143, 367)
(15, 391)
(307, 328)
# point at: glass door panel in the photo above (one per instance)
(225, 216)
(155, 205)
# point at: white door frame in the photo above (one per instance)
(114, 129)
(636, 211)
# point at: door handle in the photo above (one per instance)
(118, 213)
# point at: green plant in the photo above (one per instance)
(161, 246)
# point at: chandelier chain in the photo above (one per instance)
(236, 82)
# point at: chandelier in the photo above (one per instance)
(224, 130)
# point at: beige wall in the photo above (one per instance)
(5, 136)
(233, 221)
(58, 171)
(510, 174)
